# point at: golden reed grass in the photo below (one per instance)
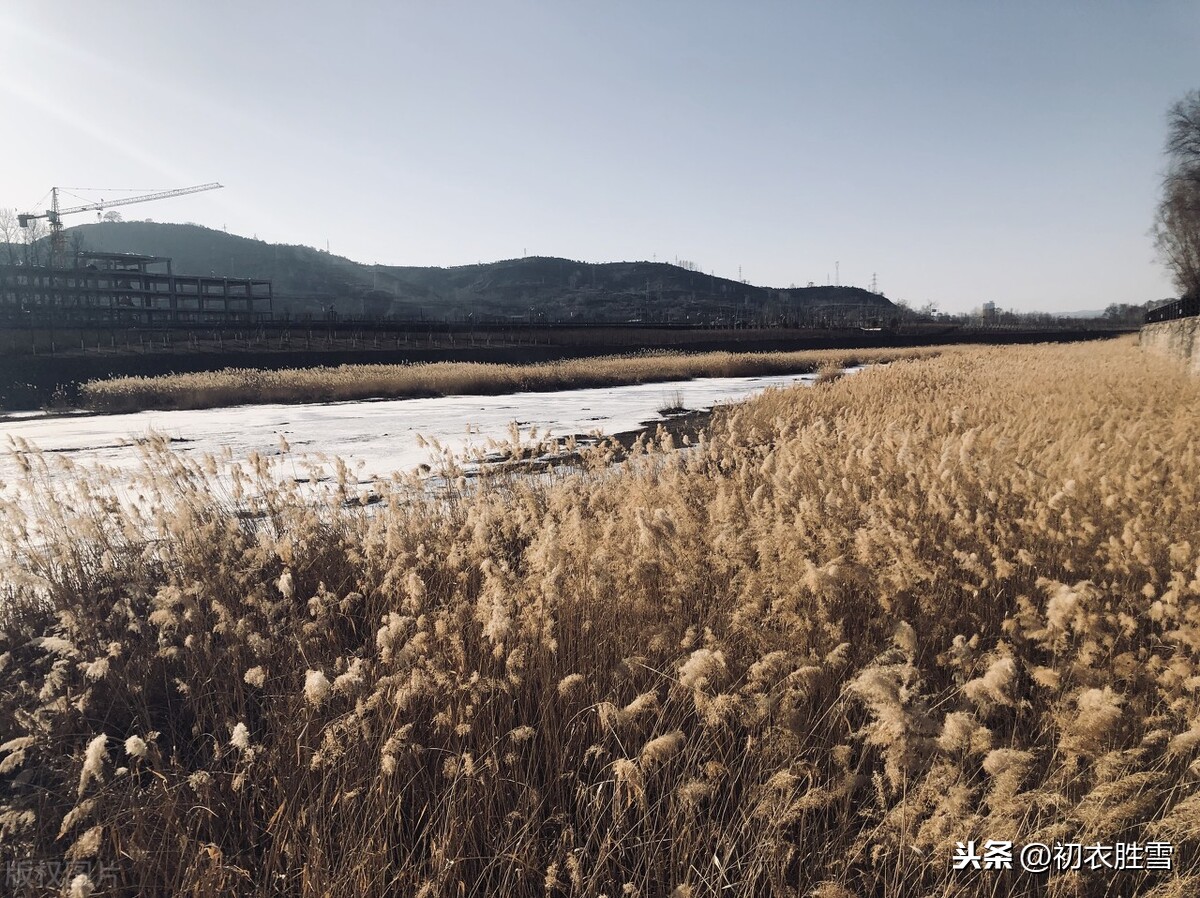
(235, 386)
(940, 600)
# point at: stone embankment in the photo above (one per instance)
(1179, 339)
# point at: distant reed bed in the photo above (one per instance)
(941, 601)
(237, 386)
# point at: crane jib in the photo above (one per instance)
(54, 215)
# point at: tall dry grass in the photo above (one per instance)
(943, 600)
(239, 386)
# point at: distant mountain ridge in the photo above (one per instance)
(308, 280)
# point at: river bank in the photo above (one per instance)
(48, 378)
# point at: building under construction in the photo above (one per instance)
(127, 290)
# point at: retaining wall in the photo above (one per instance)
(1178, 339)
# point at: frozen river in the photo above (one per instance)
(375, 438)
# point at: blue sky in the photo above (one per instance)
(959, 151)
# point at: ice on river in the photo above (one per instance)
(375, 438)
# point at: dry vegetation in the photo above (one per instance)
(943, 600)
(234, 386)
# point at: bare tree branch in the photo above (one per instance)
(1177, 222)
(10, 234)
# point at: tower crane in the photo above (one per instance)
(54, 214)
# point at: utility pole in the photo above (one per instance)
(837, 274)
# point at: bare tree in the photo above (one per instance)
(37, 243)
(1177, 234)
(1177, 222)
(10, 234)
(1183, 137)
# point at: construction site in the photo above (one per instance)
(126, 290)
(108, 290)
(69, 317)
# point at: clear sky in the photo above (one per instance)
(960, 151)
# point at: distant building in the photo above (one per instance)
(988, 311)
(106, 289)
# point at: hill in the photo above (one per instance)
(308, 280)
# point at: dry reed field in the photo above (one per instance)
(946, 600)
(234, 386)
